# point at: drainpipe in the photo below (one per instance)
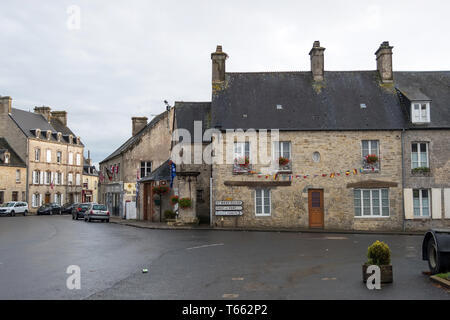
(403, 180)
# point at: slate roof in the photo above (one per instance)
(15, 160)
(162, 173)
(422, 86)
(250, 100)
(131, 141)
(29, 121)
(188, 112)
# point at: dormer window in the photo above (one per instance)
(59, 135)
(71, 139)
(7, 157)
(420, 112)
(49, 134)
(38, 133)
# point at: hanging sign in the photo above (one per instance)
(229, 203)
(229, 208)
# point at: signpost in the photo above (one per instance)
(229, 208)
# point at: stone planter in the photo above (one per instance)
(386, 273)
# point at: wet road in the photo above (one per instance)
(196, 264)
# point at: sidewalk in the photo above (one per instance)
(165, 226)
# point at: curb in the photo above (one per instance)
(268, 230)
(440, 281)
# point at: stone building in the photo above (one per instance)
(146, 149)
(425, 98)
(13, 174)
(52, 152)
(90, 178)
(337, 163)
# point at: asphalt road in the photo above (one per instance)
(196, 264)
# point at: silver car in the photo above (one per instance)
(13, 207)
(96, 212)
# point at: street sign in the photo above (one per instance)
(229, 203)
(229, 208)
(228, 213)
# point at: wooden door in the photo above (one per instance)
(148, 205)
(315, 208)
(47, 198)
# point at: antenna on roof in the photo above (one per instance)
(167, 105)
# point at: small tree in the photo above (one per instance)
(379, 254)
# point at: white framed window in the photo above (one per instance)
(146, 168)
(371, 202)
(78, 179)
(58, 198)
(262, 202)
(370, 147)
(36, 177)
(421, 202)
(49, 155)
(70, 158)
(37, 155)
(282, 149)
(241, 150)
(36, 200)
(17, 176)
(58, 178)
(420, 112)
(78, 159)
(47, 176)
(58, 157)
(419, 155)
(70, 178)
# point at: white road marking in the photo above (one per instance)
(237, 279)
(336, 238)
(206, 246)
(230, 295)
(325, 279)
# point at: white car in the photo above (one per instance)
(13, 207)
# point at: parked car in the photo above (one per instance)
(49, 208)
(67, 208)
(96, 212)
(79, 209)
(13, 207)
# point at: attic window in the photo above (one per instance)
(279, 107)
(49, 134)
(363, 105)
(38, 133)
(420, 112)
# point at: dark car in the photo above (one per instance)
(49, 208)
(67, 208)
(79, 209)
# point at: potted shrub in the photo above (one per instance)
(421, 170)
(174, 200)
(379, 254)
(243, 162)
(169, 215)
(185, 203)
(283, 161)
(371, 159)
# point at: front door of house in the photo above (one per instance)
(315, 208)
(47, 198)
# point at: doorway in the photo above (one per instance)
(315, 208)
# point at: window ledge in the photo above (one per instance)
(372, 217)
(263, 215)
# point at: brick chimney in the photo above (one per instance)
(218, 64)
(317, 61)
(138, 123)
(384, 62)
(44, 111)
(61, 116)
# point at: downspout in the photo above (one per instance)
(403, 180)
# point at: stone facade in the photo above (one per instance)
(12, 183)
(152, 145)
(437, 181)
(339, 151)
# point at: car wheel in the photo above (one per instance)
(13, 213)
(433, 257)
(107, 220)
(25, 212)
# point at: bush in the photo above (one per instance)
(174, 199)
(169, 214)
(185, 202)
(379, 254)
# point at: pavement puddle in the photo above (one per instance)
(205, 246)
(230, 295)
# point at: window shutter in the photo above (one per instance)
(62, 198)
(34, 177)
(408, 203)
(436, 208)
(62, 178)
(40, 199)
(41, 176)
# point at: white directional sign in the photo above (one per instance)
(228, 213)
(229, 203)
(230, 208)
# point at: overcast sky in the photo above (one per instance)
(129, 56)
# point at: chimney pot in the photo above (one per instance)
(384, 62)
(44, 111)
(61, 116)
(317, 61)
(138, 123)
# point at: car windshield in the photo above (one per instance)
(8, 204)
(99, 207)
(84, 206)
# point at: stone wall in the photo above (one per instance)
(438, 177)
(339, 151)
(8, 183)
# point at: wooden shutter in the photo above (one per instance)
(436, 201)
(408, 203)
